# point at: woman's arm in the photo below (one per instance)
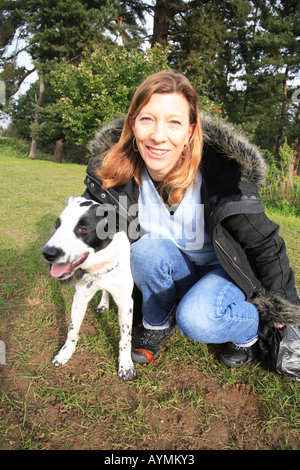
(266, 252)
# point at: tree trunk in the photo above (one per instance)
(39, 102)
(283, 113)
(164, 12)
(58, 151)
(161, 23)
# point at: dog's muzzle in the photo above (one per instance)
(62, 271)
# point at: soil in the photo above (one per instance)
(170, 406)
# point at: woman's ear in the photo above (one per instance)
(191, 131)
(132, 123)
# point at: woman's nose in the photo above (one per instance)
(159, 133)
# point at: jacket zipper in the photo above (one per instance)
(120, 205)
(235, 265)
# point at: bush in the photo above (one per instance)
(282, 189)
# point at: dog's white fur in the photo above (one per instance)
(107, 270)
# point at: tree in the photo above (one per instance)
(11, 24)
(281, 49)
(22, 112)
(100, 88)
(272, 59)
(57, 30)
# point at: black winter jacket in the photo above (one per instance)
(246, 242)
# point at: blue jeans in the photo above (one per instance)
(210, 307)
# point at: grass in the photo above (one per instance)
(186, 400)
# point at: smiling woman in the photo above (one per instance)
(212, 262)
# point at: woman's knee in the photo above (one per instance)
(195, 324)
(201, 324)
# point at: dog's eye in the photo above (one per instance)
(81, 229)
(57, 224)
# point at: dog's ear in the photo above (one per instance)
(69, 199)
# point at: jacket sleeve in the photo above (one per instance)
(265, 250)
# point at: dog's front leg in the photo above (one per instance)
(81, 299)
(126, 368)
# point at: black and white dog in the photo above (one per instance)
(82, 240)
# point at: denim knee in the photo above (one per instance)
(163, 274)
(215, 311)
(216, 330)
(197, 326)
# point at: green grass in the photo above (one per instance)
(185, 400)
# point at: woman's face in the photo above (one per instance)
(162, 129)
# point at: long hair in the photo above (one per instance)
(123, 162)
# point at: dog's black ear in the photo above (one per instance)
(69, 199)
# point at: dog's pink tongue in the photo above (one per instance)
(57, 270)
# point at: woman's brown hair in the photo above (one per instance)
(123, 162)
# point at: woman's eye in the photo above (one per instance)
(175, 123)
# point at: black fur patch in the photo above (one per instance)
(100, 229)
(86, 203)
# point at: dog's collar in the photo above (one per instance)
(110, 269)
(91, 281)
(96, 267)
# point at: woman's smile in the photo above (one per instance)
(156, 152)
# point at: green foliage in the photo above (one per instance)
(22, 113)
(101, 87)
(269, 47)
(64, 29)
(282, 189)
(205, 45)
(51, 30)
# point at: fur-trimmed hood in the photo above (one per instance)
(217, 133)
(105, 137)
(225, 138)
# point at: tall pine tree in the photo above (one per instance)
(271, 55)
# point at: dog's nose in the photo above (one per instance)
(52, 253)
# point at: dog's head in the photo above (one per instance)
(82, 229)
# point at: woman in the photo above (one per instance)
(205, 256)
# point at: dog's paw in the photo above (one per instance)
(62, 357)
(127, 372)
(101, 308)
